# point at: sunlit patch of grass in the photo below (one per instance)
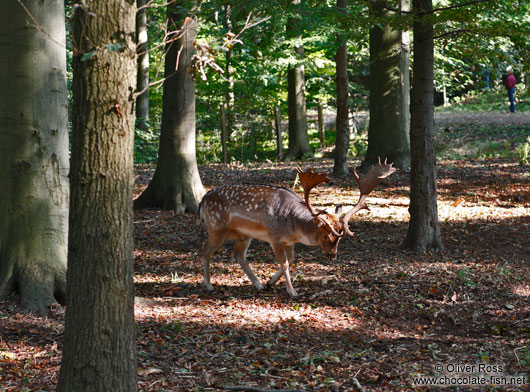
(480, 141)
(487, 101)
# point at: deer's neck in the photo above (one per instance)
(307, 230)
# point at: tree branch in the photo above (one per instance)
(254, 389)
(451, 7)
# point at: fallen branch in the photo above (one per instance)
(255, 389)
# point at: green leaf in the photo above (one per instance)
(115, 47)
(88, 55)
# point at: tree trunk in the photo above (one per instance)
(229, 74)
(278, 128)
(99, 345)
(342, 142)
(224, 131)
(424, 231)
(389, 128)
(34, 154)
(176, 184)
(142, 81)
(321, 125)
(298, 138)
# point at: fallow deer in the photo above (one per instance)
(280, 217)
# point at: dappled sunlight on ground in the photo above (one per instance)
(379, 312)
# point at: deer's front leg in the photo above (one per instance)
(282, 253)
(240, 252)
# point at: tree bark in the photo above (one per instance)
(34, 153)
(224, 131)
(176, 184)
(342, 142)
(321, 125)
(99, 344)
(229, 74)
(424, 230)
(298, 138)
(142, 80)
(278, 128)
(389, 128)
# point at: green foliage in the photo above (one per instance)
(145, 145)
(469, 41)
(485, 37)
(523, 152)
(260, 62)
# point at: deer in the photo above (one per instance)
(280, 217)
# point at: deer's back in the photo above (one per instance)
(256, 211)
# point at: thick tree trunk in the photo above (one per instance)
(298, 138)
(424, 229)
(33, 153)
(388, 132)
(176, 184)
(342, 142)
(142, 80)
(99, 345)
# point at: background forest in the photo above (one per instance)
(473, 47)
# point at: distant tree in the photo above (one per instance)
(424, 229)
(229, 72)
(33, 153)
(342, 141)
(389, 127)
(142, 81)
(298, 137)
(99, 345)
(176, 184)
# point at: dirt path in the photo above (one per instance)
(495, 118)
(445, 118)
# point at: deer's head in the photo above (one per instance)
(333, 227)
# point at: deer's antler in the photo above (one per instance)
(366, 185)
(309, 180)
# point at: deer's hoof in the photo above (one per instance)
(292, 293)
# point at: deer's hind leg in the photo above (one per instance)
(240, 253)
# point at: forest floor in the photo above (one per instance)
(372, 320)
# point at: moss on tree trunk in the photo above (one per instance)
(34, 154)
(388, 132)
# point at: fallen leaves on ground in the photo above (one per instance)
(373, 319)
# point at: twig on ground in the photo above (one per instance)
(255, 389)
(356, 382)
